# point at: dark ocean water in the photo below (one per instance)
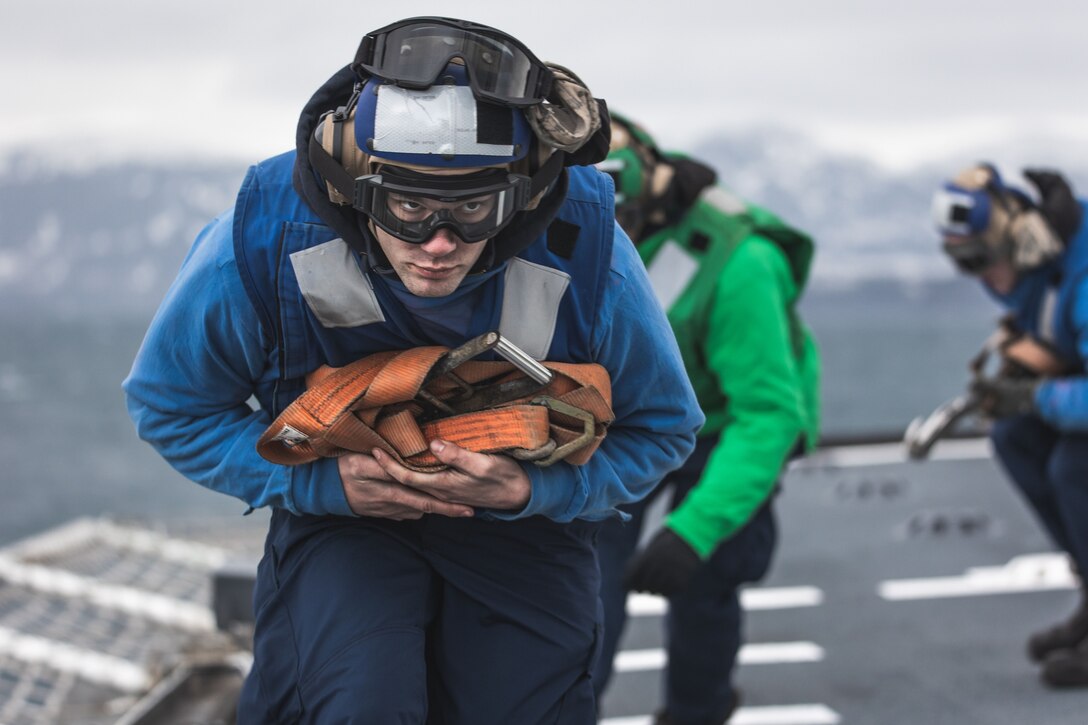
(67, 447)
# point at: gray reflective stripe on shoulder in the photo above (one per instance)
(337, 291)
(670, 272)
(723, 200)
(530, 305)
(1046, 315)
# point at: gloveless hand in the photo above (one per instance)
(472, 479)
(371, 491)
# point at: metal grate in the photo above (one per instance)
(111, 564)
(37, 694)
(65, 632)
(93, 614)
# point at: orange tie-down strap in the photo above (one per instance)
(392, 401)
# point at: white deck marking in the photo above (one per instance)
(768, 653)
(92, 666)
(1029, 573)
(641, 660)
(648, 605)
(777, 715)
(786, 715)
(781, 598)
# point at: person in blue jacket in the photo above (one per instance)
(433, 196)
(1032, 257)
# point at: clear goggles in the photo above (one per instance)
(412, 206)
(413, 53)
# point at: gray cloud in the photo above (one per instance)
(129, 77)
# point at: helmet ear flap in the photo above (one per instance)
(336, 134)
(1034, 241)
(572, 118)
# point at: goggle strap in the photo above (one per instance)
(330, 169)
(546, 174)
(336, 175)
(365, 54)
(325, 163)
(544, 80)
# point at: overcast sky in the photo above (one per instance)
(897, 81)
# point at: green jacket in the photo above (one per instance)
(730, 275)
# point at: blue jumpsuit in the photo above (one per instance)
(1046, 453)
(490, 619)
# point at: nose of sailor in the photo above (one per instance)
(443, 242)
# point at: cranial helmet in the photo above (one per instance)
(640, 173)
(439, 93)
(984, 220)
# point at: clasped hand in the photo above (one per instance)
(377, 485)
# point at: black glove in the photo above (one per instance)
(664, 567)
(1003, 397)
(1058, 205)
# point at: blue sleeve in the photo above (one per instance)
(199, 365)
(657, 415)
(1063, 402)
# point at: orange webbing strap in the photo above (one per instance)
(389, 401)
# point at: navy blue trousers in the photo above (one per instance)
(703, 626)
(439, 621)
(1051, 470)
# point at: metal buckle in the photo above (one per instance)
(589, 429)
(484, 395)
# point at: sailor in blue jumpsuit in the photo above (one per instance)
(1032, 258)
(413, 215)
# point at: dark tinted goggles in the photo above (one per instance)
(413, 206)
(970, 254)
(412, 53)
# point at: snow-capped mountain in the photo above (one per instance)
(101, 240)
(109, 239)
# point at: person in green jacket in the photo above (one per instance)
(729, 274)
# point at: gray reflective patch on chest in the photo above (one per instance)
(530, 305)
(724, 200)
(337, 291)
(670, 272)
